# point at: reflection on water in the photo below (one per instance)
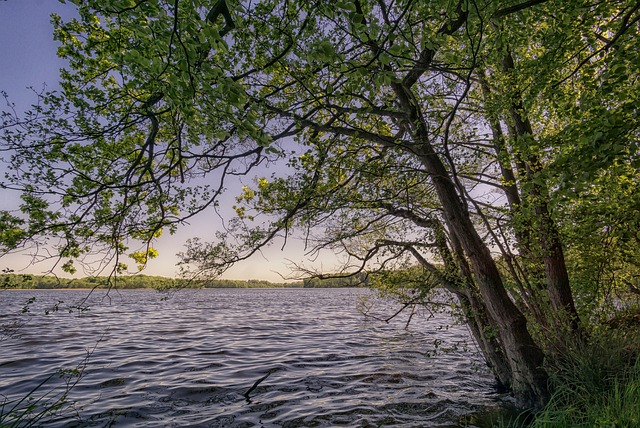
(190, 360)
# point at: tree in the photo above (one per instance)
(400, 111)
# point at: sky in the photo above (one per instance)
(28, 59)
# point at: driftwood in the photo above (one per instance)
(258, 382)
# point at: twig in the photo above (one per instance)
(258, 382)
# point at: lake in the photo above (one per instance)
(191, 357)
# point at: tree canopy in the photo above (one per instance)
(494, 144)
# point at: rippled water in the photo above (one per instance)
(190, 357)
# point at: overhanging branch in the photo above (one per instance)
(500, 13)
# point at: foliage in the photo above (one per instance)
(407, 133)
(140, 99)
(108, 162)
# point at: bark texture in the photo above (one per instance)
(524, 357)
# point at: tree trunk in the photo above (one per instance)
(529, 380)
(557, 277)
(532, 296)
(459, 280)
(481, 329)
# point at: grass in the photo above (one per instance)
(44, 403)
(596, 385)
(613, 402)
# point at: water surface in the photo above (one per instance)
(188, 358)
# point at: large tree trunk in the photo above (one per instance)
(480, 326)
(458, 279)
(525, 358)
(532, 295)
(557, 277)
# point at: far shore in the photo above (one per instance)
(13, 281)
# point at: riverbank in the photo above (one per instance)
(39, 282)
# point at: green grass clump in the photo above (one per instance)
(594, 385)
(613, 402)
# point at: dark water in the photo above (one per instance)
(189, 358)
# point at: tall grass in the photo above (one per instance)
(594, 385)
(613, 401)
(47, 401)
(44, 403)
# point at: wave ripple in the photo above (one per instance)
(189, 360)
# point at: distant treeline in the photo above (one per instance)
(26, 281)
(357, 280)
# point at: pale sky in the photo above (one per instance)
(28, 59)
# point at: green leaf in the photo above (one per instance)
(350, 6)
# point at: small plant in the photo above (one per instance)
(45, 402)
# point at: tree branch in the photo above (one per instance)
(501, 13)
(427, 55)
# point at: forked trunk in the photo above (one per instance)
(529, 380)
(524, 357)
